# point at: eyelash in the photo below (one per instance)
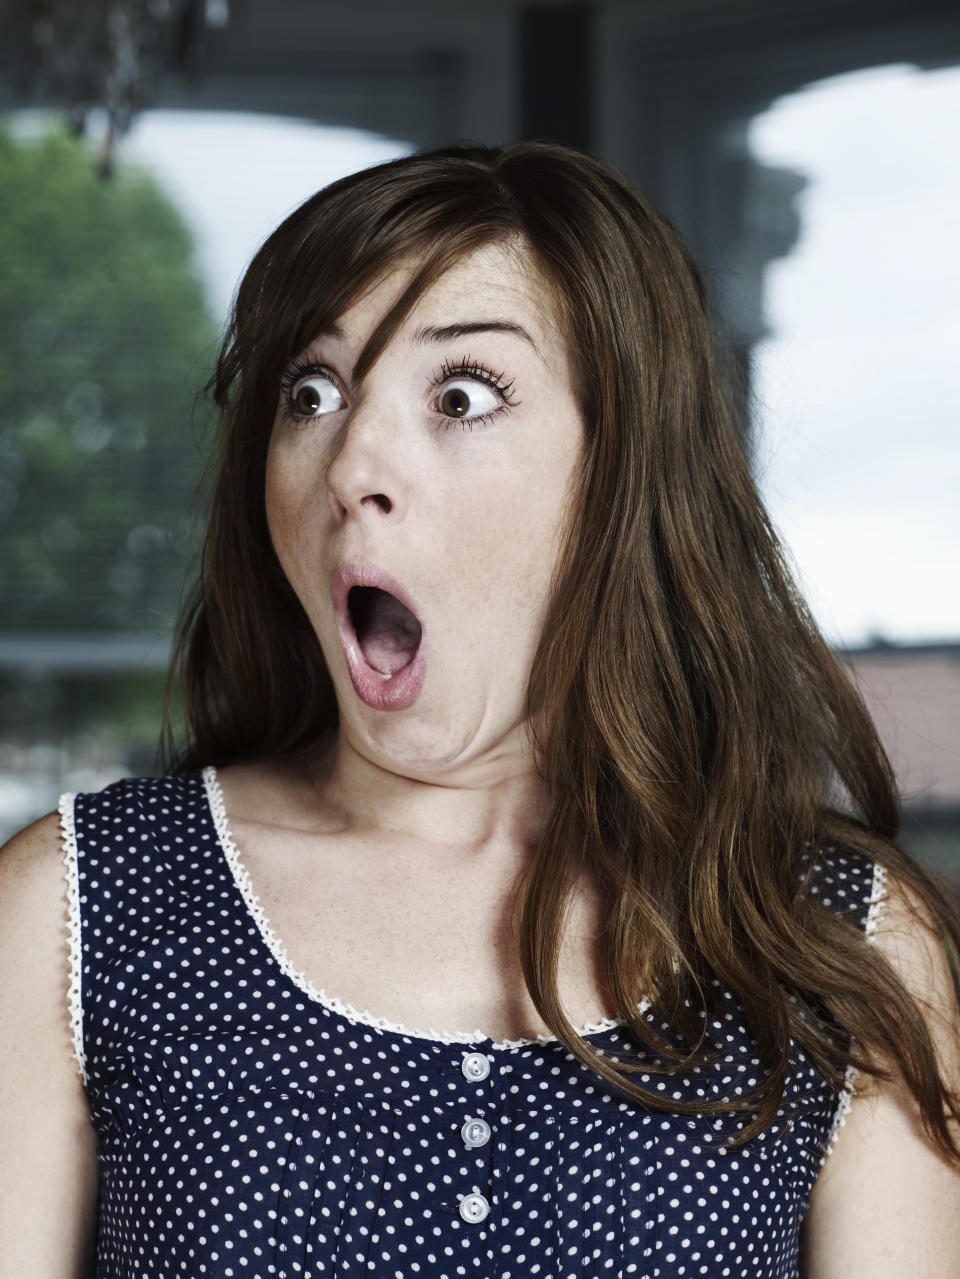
(300, 368)
(478, 373)
(465, 368)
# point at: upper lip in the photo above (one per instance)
(361, 573)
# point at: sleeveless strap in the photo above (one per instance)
(68, 840)
(875, 908)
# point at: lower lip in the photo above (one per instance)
(394, 694)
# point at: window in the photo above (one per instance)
(114, 295)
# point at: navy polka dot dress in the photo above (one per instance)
(251, 1125)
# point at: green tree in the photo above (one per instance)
(104, 340)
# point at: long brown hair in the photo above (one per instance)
(699, 740)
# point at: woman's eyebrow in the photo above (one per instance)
(447, 332)
(331, 330)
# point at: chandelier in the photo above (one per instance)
(109, 54)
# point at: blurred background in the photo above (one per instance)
(807, 149)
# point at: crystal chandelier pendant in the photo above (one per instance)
(110, 55)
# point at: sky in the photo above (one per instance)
(236, 176)
(858, 382)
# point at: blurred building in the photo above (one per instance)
(913, 694)
(663, 88)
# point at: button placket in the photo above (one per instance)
(474, 1133)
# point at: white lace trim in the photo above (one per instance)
(68, 839)
(877, 900)
(336, 1005)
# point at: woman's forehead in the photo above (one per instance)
(495, 288)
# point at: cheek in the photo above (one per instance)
(508, 538)
(283, 499)
(272, 496)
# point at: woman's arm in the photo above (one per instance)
(48, 1167)
(886, 1203)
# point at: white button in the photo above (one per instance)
(475, 1066)
(474, 1208)
(475, 1132)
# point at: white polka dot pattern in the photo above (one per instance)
(250, 1125)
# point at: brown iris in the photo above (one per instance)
(307, 399)
(455, 402)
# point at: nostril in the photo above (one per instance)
(382, 501)
(338, 508)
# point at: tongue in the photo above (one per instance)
(388, 633)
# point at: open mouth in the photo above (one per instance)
(387, 632)
(384, 643)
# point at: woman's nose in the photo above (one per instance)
(365, 478)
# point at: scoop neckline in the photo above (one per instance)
(341, 1007)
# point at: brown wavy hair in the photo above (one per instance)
(699, 740)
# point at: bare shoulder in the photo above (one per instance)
(33, 913)
(31, 883)
(48, 1175)
(911, 940)
(862, 1219)
(33, 908)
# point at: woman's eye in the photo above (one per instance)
(315, 395)
(467, 399)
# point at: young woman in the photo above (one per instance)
(525, 898)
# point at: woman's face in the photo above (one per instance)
(449, 469)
